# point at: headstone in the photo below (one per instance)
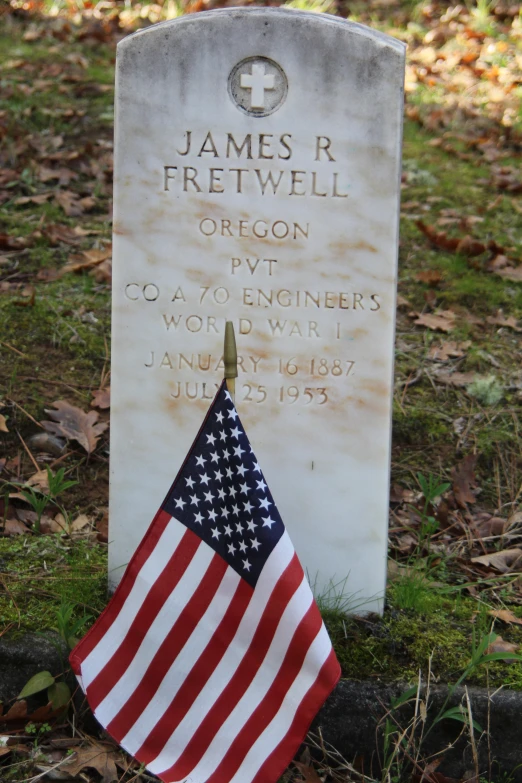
(257, 170)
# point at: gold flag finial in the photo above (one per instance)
(230, 357)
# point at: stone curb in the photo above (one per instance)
(350, 717)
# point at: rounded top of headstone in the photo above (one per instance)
(306, 19)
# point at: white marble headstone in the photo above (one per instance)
(257, 180)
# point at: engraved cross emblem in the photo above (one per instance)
(258, 81)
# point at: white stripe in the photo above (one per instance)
(258, 688)
(274, 567)
(147, 576)
(183, 664)
(163, 622)
(276, 730)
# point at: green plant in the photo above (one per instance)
(39, 499)
(431, 489)
(66, 626)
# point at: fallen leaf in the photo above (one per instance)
(448, 350)
(102, 758)
(511, 273)
(308, 772)
(39, 480)
(455, 378)
(80, 522)
(102, 528)
(13, 527)
(443, 321)
(464, 479)
(3, 424)
(500, 320)
(492, 526)
(505, 561)
(17, 711)
(430, 276)
(506, 615)
(501, 646)
(73, 423)
(101, 398)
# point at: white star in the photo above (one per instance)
(232, 491)
(235, 509)
(244, 489)
(222, 435)
(215, 532)
(221, 493)
(180, 503)
(268, 522)
(227, 530)
(239, 527)
(198, 518)
(256, 467)
(204, 479)
(218, 474)
(211, 439)
(251, 525)
(200, 461)
(225, 512)
(255, 544)
(231, 549)
(238, 451)
(246, 565)
(214, 456)
(236, 432)
(219, 417)
(212, 514)
(226, 454)
(261, 485)
(264, 503)
(242, 546)
(229, 472)
(227, 395)
(241, 469)
(194, 500)
(232, 414)
(209, 497)
(248, 506)
(190, 482)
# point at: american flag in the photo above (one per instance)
(211, 659)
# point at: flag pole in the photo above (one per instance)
(230, 358)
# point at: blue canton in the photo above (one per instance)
(221, 495)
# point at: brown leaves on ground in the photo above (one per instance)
(74, 424)
(505, 562)
(499, 645)
(97, 261)
(442, 320)
(448, 350)
(99, 756)
(464, 480)
(506, 615)
(101, 398)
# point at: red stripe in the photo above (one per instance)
(107, 617)
(282, 755)
(304, 635)
(198, 676)
(286, 586)
(170, 648)
(160, 591)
